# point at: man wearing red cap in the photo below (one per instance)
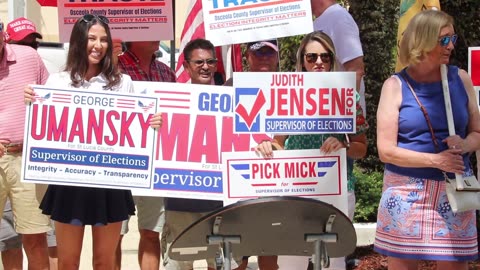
(23, 32)
(20, 66)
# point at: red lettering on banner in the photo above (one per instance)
(174, 136)
(311, 102)
(256, 170)
(111, 125)
(312, 172)
(174, 139)
(124, 129)
(475, 67)
(55, 129)
(265, 171)
(77, 127)
(95, 127)
(45, 125)
(233, 142)
(300, 170)
(35, 123)
(204, 140)
(323, 101)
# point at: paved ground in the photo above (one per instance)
(130, 250)
(365, 233)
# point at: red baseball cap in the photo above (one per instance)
(19, 28)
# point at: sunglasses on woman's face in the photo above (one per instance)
(89, 17)
(445, 40)
(325, 57)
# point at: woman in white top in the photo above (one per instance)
(89, 66)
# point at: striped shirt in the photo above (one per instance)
(19, 66)
(159, 72)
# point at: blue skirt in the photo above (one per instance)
(415, 221)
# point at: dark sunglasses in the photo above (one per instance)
(325, 57)
(90, 17)
(445, 40)
(199, 63)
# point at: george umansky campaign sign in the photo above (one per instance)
(295, 102)
(83, 138)
(238, 21)
(129, 20)
(197, 129)
(305, 173)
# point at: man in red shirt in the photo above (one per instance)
(20, 66)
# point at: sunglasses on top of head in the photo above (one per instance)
(325, 57)
(445, 40)
(90, 17)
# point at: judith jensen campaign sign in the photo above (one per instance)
(295, 102)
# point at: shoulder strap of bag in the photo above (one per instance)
(427, 118)
(424, 111)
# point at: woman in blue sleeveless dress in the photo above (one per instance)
(415, 221)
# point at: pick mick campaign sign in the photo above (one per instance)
(295, 102)
(305, 173)
(85, 138)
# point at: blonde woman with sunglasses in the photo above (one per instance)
(317, 54)
(89, 66)
(415, 221)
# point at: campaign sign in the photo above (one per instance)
(474, 68)
(295, 102)
(129, 20)
(197, 129)
(305, 173)
(238, 21)
(84, 138)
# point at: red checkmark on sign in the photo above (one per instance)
(257, 106)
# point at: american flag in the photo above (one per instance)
(193, 29)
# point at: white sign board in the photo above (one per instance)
(238, 21)
(305, 173)
(132, 20)
(84, 138)
(295, 102)
(197, 129)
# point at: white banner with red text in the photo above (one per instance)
(234, 21)
(83, 138)
(295, 102)
(129, 20)
(197, 129)
(304, 173)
